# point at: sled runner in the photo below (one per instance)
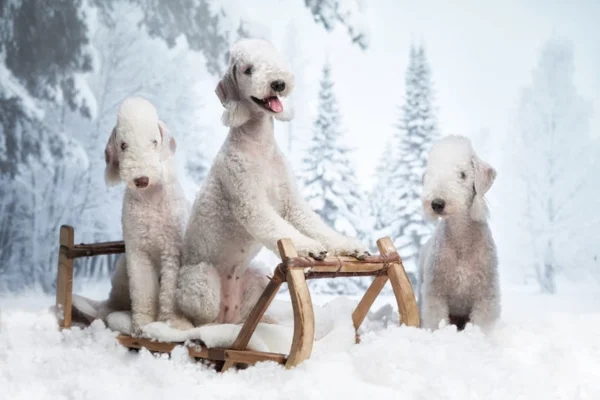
(293, 270)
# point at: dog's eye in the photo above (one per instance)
(248, 71)
(123, 146)
(155, 143)
(463, 175)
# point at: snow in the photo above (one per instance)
(546, 347)
(85, 95)
(12, 88)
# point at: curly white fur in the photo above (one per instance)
(249, 199)
(139, 152)
(458, 267)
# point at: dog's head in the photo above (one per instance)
(456, 180)
(138, 146)
(256, 81)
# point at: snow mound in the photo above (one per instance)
(546, 347)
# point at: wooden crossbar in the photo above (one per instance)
(293, 270)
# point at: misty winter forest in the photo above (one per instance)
(376, 83)
(371, 95)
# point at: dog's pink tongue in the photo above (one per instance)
(275, 104)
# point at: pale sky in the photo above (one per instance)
(481, 53)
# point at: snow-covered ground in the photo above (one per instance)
(546, 347)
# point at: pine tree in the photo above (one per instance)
(330, 13)
(297, 62)
(403, 218)
(379, 201)
(553, 119)
(330, 183)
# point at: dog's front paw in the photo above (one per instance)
(347, 246)
(178, 322)
(138, 321)
(310, 248)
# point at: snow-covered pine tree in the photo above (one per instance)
(35, 72)
(415, 133)
(380, 202)
(297, 61)
(330, 13)
(330, 184)
(553, 118)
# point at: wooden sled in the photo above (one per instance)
(293, 270)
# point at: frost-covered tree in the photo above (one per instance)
(58, 100)
(127, 65)
(34, 69)
(551, 156)
(330, 13)
(401, 214)
(35, 72)
(298, 63)
(56, 118)
(380, 202)
(199, 21)
(330, 184)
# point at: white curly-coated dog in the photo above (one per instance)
(140, 153)
(458, 266)
(249, 199)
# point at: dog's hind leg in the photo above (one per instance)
(198, 293)
(119, 298)
(254, 283)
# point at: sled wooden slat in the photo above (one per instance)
(217, 354)
(293, 270)
(64, 277)
(255, 315)
(342, 264)
(405, 296)
(304, 319)
(363, 307)
(252, 357)
(96, 249)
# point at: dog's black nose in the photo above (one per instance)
(278, 85)
(141, 182)
(438, 205)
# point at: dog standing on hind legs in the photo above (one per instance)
(458, 266)
(249, 199)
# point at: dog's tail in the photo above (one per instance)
(86, 310)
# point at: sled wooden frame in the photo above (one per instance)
(293, 270)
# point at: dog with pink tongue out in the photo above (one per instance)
(249, 198)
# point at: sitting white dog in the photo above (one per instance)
(458, 266)
(139, 152)
(249, 199)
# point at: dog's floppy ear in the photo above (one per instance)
(485, 175)
(236, 113)
(111, 172)
(168, 143)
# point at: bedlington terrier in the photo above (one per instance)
(249, 199)
(458, 267)
(139, 152)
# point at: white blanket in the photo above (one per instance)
(333, 327)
